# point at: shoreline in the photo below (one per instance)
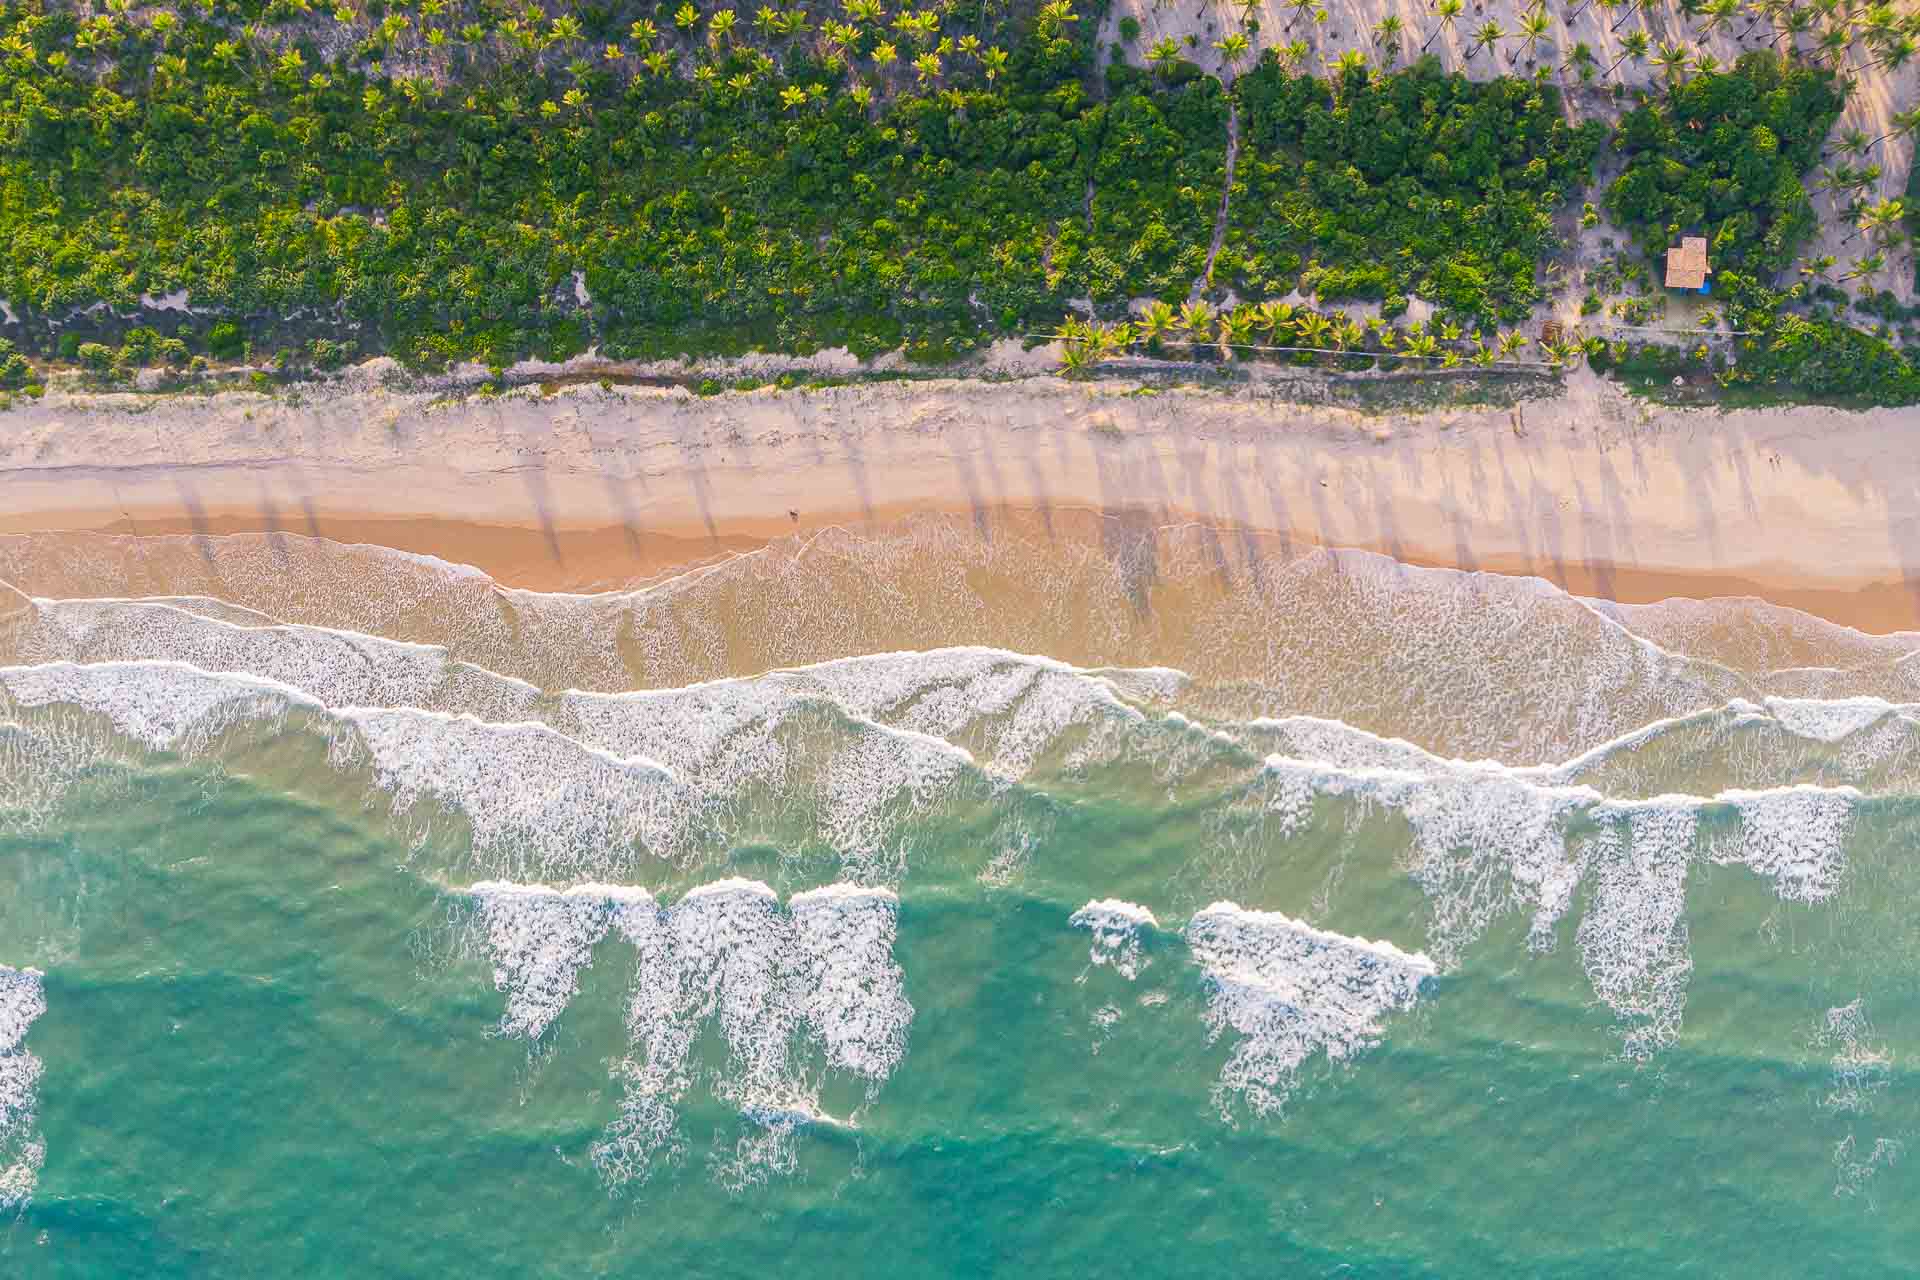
(585, 489)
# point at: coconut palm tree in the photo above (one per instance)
(1196, 319)
(1897, 54)
(1867, 267)
(1488, 36)
(1232, 48)
(1448, 12)
(1834, 43)
(1156, 321)
(1533, 29)
(1164, 53)
(1312, 327)
(1387, 32)
(1882, 221)
(1054, 17)
(1276, 318)
(1820, 268)
(1511, 341)
(1236, 330)
(1632, 45)
(1794, 23)
(1905, 125)
(1671, 59)
(1720, 15)
(1349, 60)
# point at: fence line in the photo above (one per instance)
(1654, 328)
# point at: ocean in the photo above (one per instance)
(945, 901)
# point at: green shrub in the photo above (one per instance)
(225, 341)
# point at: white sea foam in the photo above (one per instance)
(539, 803)
(1288, 991)
(794, 995)
(22, 1000)
(1860, 1061)
(163, 706)
(1633, 939)
(1830, 719)
(1116, 927)
(1796, 836)
(539, 939)
(852, 993)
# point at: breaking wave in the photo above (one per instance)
(22, 1151)
(1287, 991)
(798, 995)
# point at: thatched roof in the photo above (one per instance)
(1687, 265)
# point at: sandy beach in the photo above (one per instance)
(588, 488)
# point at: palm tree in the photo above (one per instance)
(1236, 330)
(1388, 30)
(1163, 55)
(1312, 327)
(1820, 268)
(1671, 58)
(1510, 342)
(1054, 15)
(1156, 321)
(1720, 15)
(1871, 265)
(1632, 45)
(1881, 221)
(1349, 61)
(1533, 29)
(1486, 37)
(1898, 54)
(1904, 125)
(1794, 24)
(1447, 11)
(1232, 48)
(1834, 42)
(1196, 319)
(1275, 317)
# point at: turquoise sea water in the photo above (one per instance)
(1648, 1010)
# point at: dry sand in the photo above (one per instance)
(588, 488)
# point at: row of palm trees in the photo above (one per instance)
(1250, 328)
(1888, 33)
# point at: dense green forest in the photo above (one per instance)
(489, 179)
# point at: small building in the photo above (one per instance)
(1687, 265)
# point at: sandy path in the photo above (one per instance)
(591, 488)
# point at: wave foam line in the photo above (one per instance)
(1288, 991)
(1116, 927)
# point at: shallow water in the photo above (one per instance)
(1320, 917)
